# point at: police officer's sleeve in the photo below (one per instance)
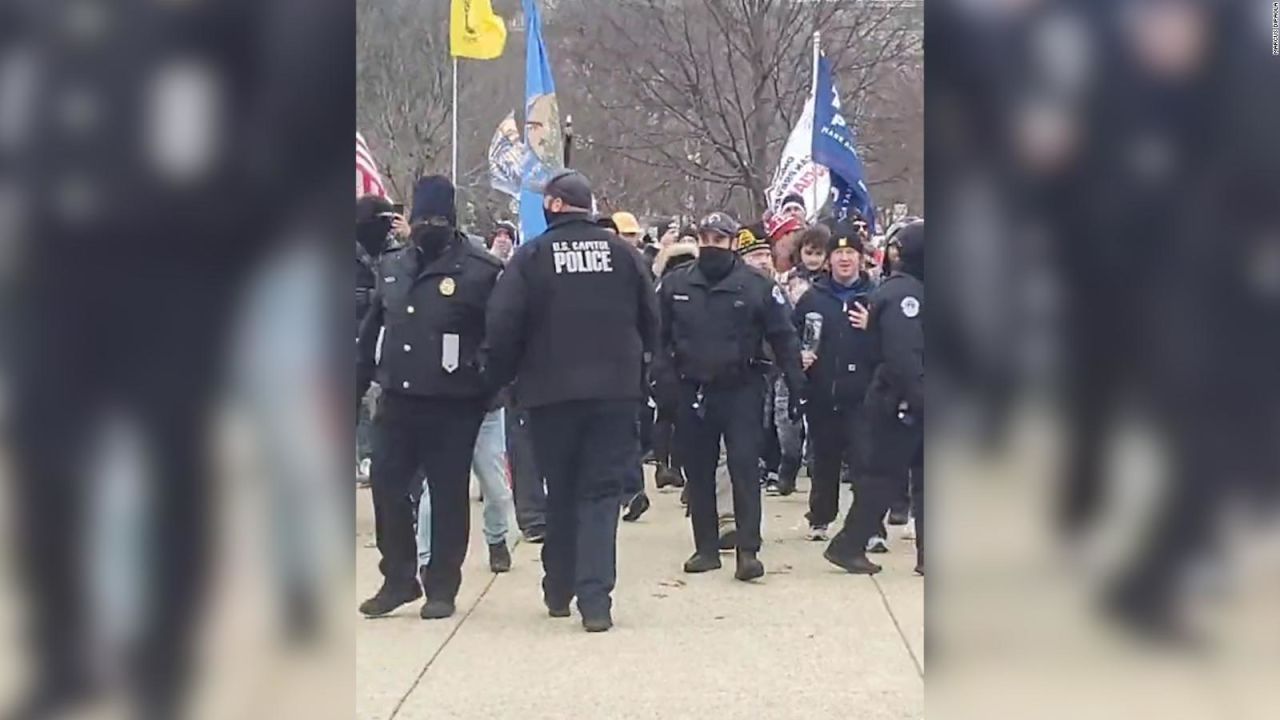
(366, 346)
(506, 322)
(664, 363)
(781, 334)
(902, 345)
(648, 306)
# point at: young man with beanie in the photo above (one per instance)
(429, 309)
(839, 371)
(573, 321)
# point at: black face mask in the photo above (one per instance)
(715, 262)
(372, 235)
(431, 240)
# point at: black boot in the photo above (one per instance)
(667, 477)
(729, 538)
(637, 507)
(749, 566)
(854, 562)
(437, 609)
(388, 598)
(499, 557)
(595, 623)
(698, 563)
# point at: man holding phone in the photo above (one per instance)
(838, 371)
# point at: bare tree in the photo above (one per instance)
(707, 90)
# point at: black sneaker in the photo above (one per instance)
(388, 598)
(499, 558)
(597, 623)
(702, 563)
(638, 506)
(920, 569)
(535, 535)
(785, 487)
(749, 566)
(558, 611)
(856, 564)
(436, 610)
(729, 539)
(899, 517)
(877, 545)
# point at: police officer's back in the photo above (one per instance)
(572, 320)
(894, 405)
(429, 310)
(716, 315)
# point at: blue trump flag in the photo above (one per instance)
(541, 125)
(833, 147)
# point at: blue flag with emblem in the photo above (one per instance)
(833, 147)
(542, 132)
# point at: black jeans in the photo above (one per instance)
(664, 439)
(836, 434)
(526, 479)
(633, 482)
(734, 414)
(435, 437)
(584, 449)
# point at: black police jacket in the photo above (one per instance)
(847, 355)
(366, 281)
(713, 333)
(431, 318)
(897, 323)
(573, 317)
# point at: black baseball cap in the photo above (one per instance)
(570, 186)
(720, 223)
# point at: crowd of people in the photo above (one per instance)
(567, 361)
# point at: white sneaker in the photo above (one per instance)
(877, 544)
(819, 533)
(909, 530)
(365, 465)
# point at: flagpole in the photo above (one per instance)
(813, 93)
(453, 173)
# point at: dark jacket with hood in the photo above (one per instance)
(847, 355)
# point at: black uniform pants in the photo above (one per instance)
(584, 449)
(734, 414)
(664, 439)
(837, 438)
(891, 446)
(435, 437)
(526, 480)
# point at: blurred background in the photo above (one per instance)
(1102, 195)
(174, 182)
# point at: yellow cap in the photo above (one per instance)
(626, 223)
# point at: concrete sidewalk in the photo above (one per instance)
(806, 641)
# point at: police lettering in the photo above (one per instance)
(582, 256)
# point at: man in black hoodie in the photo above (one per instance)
(839, 371)
(894, 409)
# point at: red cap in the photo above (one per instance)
(781, 225)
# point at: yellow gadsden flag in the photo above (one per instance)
(475, 31)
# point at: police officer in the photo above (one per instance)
(574, 320)
(715, 317)
(429, 307)
(893, 409)
(839, 370)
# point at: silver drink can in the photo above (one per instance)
(812, 332)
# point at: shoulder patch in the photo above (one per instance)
(779, 296)
(910, 306)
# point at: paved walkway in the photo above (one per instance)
(807, 641)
